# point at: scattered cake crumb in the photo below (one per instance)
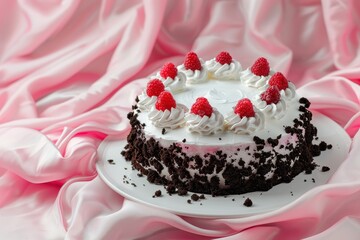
(233, 199)
(220, 139)
(157, 193)
(140, 175)
(202, 196)
(248, 202)
(163, 131)
(195, 197)
(313, 180)
(182, 192)
(110, 161)
(305, 180)
(325, 169)
(189, 201)
(184, 140)
(329, 146)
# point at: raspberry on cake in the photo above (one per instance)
(266, 137)
(166, 113)
(245, 118)
(223, 67)
(279, 81)
(154, 88)
(165, 101)
(271, 103)
(149, 96)
(202, 107)
(173, 80)
(204, 119)
(223, 58)
(271, 95)
(257, 76)
(193, 68)
(244, 108)
(286, 88)
(168, 70)
(192, 62)
(261, 67)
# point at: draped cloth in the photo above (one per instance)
(70, 71)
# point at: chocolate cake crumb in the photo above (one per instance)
(248, 202)
(133, 184)
(233, 199)
(305, 180)
(220, 139)
(140, 175)
(188, 201)
(182, 192)
(325, 169)
(137, 99)
(163, 131)
(158, 193)
(313, 180)
(329, 146)
(184, 140)
(110, 161)
(322, 146)
(195, 197)
(202, 196)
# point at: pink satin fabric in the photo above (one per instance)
(69, 71)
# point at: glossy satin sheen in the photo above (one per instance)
(70, 70)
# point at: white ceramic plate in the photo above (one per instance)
(119, 176)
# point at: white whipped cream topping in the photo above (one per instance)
(245, 125)
(253, 80)
(196, 76)
(227, 71)
(145, 102)
(174, 85)
(221, 97)
(288, 93)
(173, 118)
(272, 110)
(205, 125)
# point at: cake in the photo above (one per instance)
(215, 128)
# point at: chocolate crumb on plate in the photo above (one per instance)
(189, 201)
(325, 169)
(110, 161)
(195, 197)
(157, 193)
(248, 202)
(163, 131)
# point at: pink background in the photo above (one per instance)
(69, 71)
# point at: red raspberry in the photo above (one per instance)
(271, 95)
(279, 80)
(192, 62)
(202, 107)
(224, 58)
(165, 101)
(260, 67)
(168, 70)
(154, 87)
(244, 108)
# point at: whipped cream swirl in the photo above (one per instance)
(173, 118)
(245, 125)
(224, 71)
(145, 102)
(205, 125)
(174, 85)
(288, 93)
(253, 80)
(272, 110)
(196, 76)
